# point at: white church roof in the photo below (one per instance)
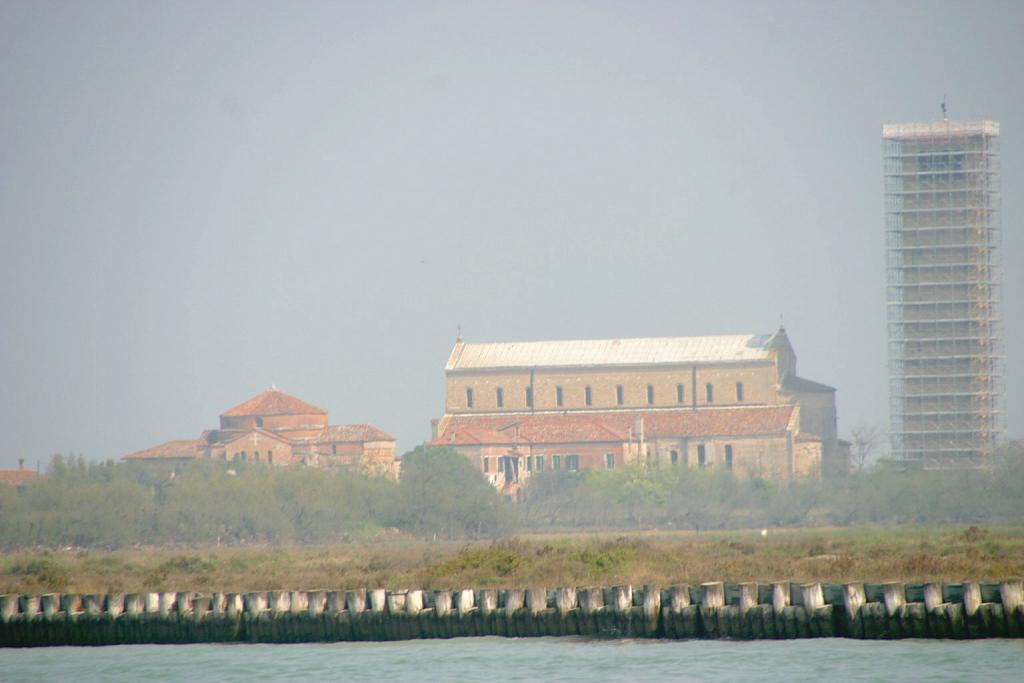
(592, 352)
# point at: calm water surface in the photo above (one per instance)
(547, 659)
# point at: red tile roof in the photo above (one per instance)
(18, 477)
(613, 425)
(358, 433)
(274, 402)
(180, 448)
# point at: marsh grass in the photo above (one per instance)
(950, 553)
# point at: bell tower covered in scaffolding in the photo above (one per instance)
(943, 240)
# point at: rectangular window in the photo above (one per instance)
(334, 449)
(469, 398)
(487, 464)
(618, 394)
(572, 463)
(588, 396)
(539, 462)
(679, 393)
(270, 457)
(499, 397)
(650, 394)
(609, 460)
(728, 456)
(739, 392)
(709, 391)
(674, 455)
(529, 397)
(556, 462)
(558, 396)
(702, 459)
(529, 463)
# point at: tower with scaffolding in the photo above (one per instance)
(943, 240)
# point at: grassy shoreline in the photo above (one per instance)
(873, 554)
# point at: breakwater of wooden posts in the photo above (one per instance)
(710, 610)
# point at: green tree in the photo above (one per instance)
(442, 495)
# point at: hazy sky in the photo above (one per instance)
(200, 199)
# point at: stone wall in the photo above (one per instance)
(758, 379)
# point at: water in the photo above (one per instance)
(535, 659)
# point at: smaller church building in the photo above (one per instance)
(278, 429)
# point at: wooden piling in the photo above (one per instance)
(8, 607)
(1011, 595)
(536, 603)
(515, 599)
(894, 599)
(971, 604)
(50, 605)
(676, 598)
(591, 603)
(712, 610)
(853, 600)
(651, 609)
(751, 612)
(712, 600)
(29, 606)
(784, 624)
(819, 613)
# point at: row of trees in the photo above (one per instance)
(441, 496)
(123, 504)
(703, 499)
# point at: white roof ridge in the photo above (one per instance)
(620, 351)
(613, 339)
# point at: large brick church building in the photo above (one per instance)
(733, 402)
(278, 429)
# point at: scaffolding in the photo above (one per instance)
(943, 240)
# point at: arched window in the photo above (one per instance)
(739, 392)
(709, 391)
(529, 397)
(559, 396)
(679, 393)
(588, 396)
(499, 397)
(619, 398)
(650, 394)
(469, 398)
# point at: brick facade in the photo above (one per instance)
(727, 402)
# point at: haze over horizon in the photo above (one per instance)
(201, 199)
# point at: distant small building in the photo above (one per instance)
(278, 429)
(18, 478)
